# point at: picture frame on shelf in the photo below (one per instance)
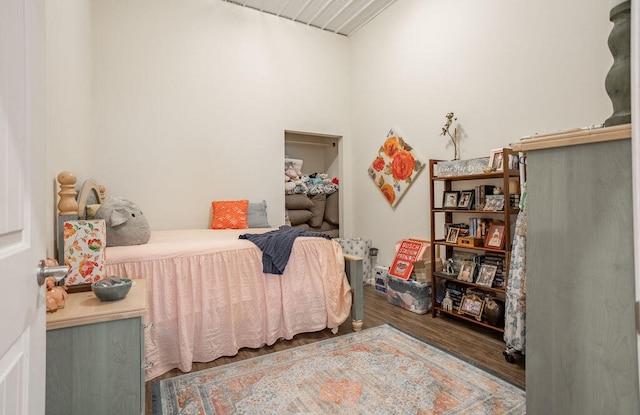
(459, 256)
(466, 199)
(495, 236)
(496, 160)
(486, 275)
(494, 203)
(467, 269)
(489, 206)
(450, 199)
(452, 235)
(471, 305)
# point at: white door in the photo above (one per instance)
(22, 209)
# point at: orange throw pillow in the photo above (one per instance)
(229, 214)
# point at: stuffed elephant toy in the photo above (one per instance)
(126, 225)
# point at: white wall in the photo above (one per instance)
(68, 91)
(190, 101)
(506, 68)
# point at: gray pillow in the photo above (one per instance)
(297, 201)
(298, 216)
(257, 215)
(328, 229)
(319, 201)
(332, 209)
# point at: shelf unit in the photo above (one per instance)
(507, 215)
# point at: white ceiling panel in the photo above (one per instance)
(343, 17)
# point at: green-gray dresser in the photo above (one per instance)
(95, 355)
(581, 341)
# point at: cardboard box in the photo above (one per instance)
(410, 295)
(422, 270)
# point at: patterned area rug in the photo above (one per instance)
(379, 371)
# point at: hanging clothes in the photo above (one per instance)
(515, 310)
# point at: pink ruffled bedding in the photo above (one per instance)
(208, 297)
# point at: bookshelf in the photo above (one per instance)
(473, 246)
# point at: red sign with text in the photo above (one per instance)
(409, 251)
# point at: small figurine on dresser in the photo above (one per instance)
(56, 295)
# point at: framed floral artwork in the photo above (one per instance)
(395, 167)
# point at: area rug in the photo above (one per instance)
(380, 370)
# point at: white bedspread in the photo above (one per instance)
(208, 297)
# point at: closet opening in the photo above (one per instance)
(313, 168)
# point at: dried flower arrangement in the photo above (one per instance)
(453, 137)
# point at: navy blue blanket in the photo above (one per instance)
(276, 246)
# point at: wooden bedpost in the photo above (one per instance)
(67, 208)
(67, 205)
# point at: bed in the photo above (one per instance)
(207, 295)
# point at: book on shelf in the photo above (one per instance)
(481, 193)
(514, 200)
(479, 292)
(478, 227)
(493, 258)
(407, 253)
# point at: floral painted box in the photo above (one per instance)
(84, 250)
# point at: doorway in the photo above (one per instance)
(319, 158)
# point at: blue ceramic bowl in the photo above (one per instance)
(112, 288)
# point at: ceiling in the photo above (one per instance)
(343, 17)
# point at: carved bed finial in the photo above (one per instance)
(102, 190)
(67, 204)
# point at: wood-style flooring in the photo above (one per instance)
(473, 343)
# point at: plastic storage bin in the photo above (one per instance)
(410, 295)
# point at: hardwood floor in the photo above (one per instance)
(472, 343)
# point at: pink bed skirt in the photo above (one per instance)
(208, 297)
